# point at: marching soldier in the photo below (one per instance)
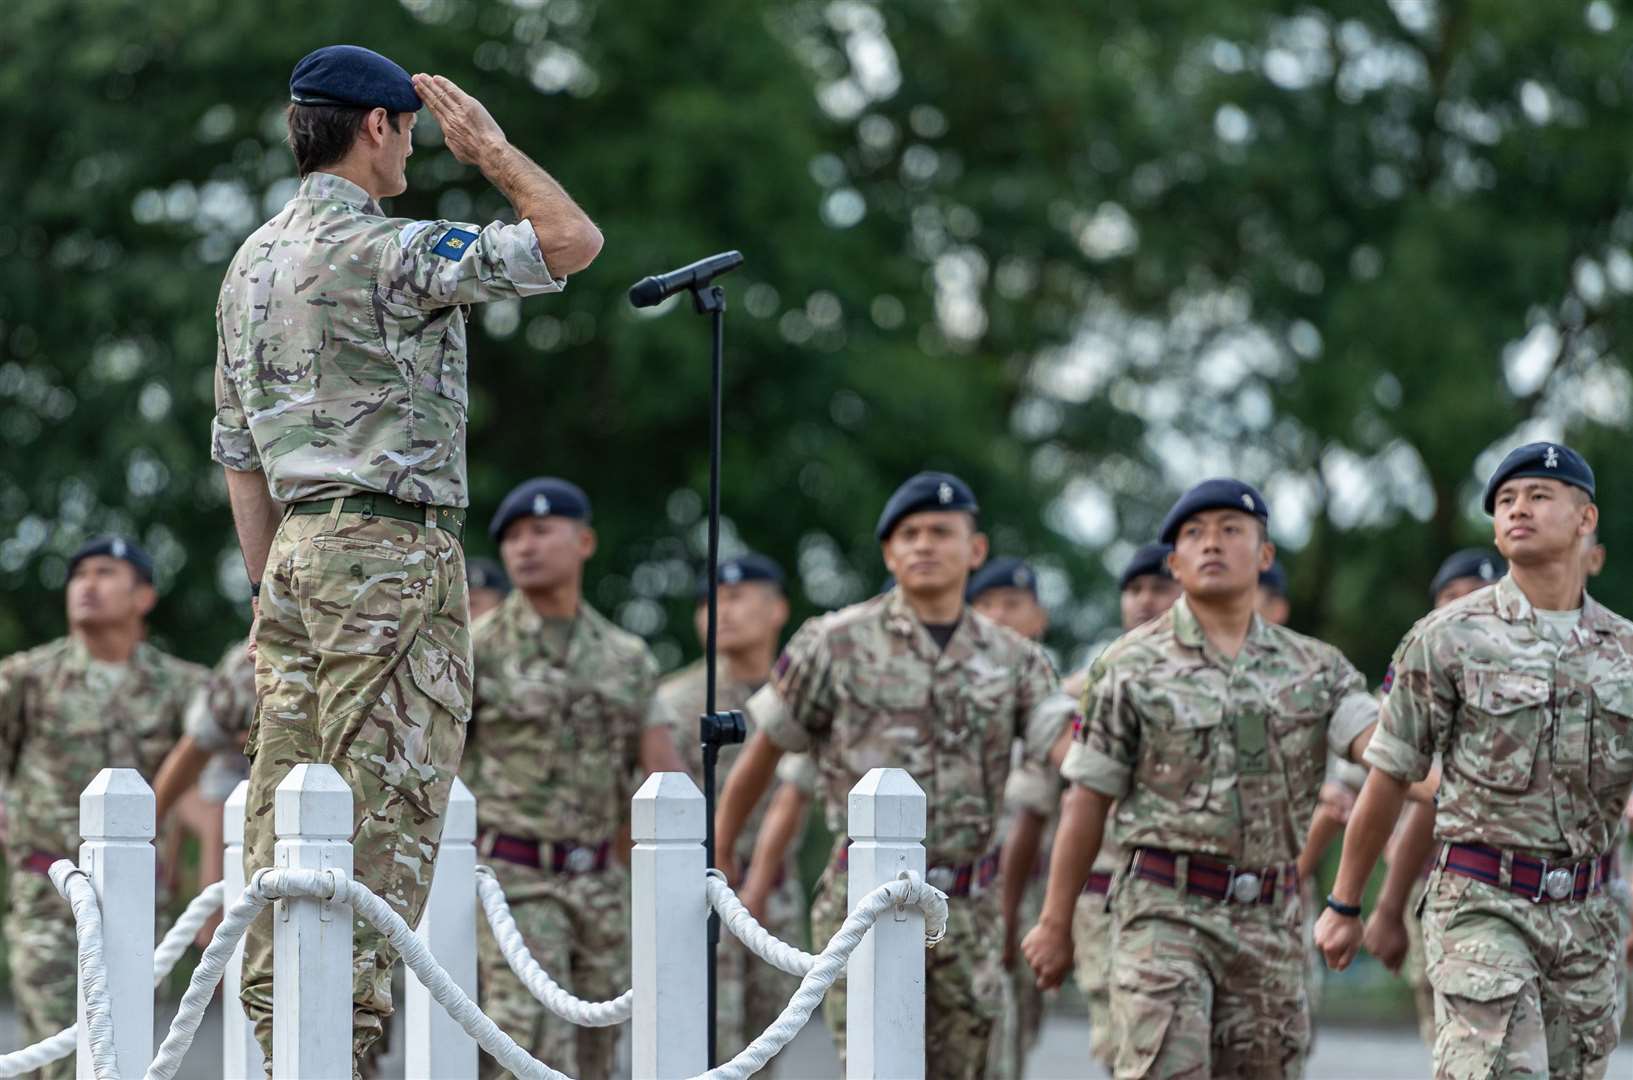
(917, 680)
(752, 610)
(565, 724)
(1208, 728)
(1524, 690)
(99, 698)
(340, 422)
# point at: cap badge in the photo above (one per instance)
(944, 493)
(1550, 458)
(119, 549)
(1487, 571)
(541, 506)
(1247, 501)
(731, 573)
(1022, 577)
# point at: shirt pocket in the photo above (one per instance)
(1611, 764)
(1503, 717)
(1181, 733)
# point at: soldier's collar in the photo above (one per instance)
(1515, 607)
(1188, 632)
(322, 185)
(901, 619)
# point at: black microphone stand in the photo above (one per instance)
(715, 729)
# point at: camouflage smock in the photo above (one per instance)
(218, 719)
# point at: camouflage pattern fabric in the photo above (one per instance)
(363, 662)
(336, 325)
(749, 993)
(554, 757)
(1536, 742)
(1416, 966)
(577, 928)
(963, 977)
(64, 717)
(1091, 953)
(219, 718)
(1021, 1023)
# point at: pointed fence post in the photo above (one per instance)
(438, 1048)
(668, 928)
(240, 1053)
(116, 817)
(312, 938)
(884, 1004)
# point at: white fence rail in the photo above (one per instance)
(313, 898)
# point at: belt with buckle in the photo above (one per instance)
(1538, 880)
(565, 856)
(448, 518)
(952, 880)
(41, 861)
(1098, 884)
(1215, 880)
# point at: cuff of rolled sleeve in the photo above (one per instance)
(524, 262)
(1396, 757)
(199, 723)
(233, 447)
(1034, 789)
(767, 711)
(1354, 714)
(800, 771)
(1096, 771)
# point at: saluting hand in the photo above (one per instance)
(468, 129)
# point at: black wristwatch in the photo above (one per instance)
(254, 590)
(1349, 911)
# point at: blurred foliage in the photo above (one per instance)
(1083, 255)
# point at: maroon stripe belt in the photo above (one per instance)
(40, 861)
(1098, 884)
(952, 880)
(1215, 880)
(1538, 880)
(566, 857)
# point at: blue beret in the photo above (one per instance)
(483, 573)
(542, 496)
(926, 491)
(117, 547)
(749, 567)
(1275, 578)
(1220, 493)
(1149, 559)
(352, 75)
(1554, 461)
(1482, 563)
(1005, 573)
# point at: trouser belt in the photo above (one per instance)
(564, 856)
(1098, 884)
(448, 518)
(41, 861)
(952, 880)
(1538, 880)
(1215, 880)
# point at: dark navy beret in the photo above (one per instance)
(1004, 573)
(118, 547)
(481, 573)
(1482, 563)
(352, 75)
(749, 567)
(1275, 578)
(926, 491)
(1149, 559)
(542, 496)
(1555, 461)
(1220, 493)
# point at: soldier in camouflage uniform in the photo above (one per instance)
(210, 753)
(99, 698)
(749, 993)
(1208, 728)
(1525, 689)
(912, 679)
(340, 421)
(565, 724)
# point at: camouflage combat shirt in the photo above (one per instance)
(62, 722)
(1212, 756)
(553, 750)
(218, 720)
(340, 358)
(867, 687)
(1535, 738)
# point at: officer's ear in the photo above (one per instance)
(586, 541)
(1590, 518)
(1267, 551)
(979, 547)
(147, 597)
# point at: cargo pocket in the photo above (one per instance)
(351, 596)
(1477, 1011)
(1496, 740)
(1611, 764)
(1145, 1003)
(415, 733)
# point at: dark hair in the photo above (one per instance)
(321, 135)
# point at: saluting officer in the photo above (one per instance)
(1525, 689)
(917, 680)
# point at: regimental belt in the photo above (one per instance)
(1098, 884)
(1214, 880)
(564, 856)
(1538, 880)
(40, 861)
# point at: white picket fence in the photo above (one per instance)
(882, 943)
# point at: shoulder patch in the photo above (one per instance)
(1389, 678)
(454, 244)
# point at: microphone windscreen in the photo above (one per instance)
(646, 292)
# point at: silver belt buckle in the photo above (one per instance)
(1244, 888)
(580, 860)
(942, 877)
(1559, 883)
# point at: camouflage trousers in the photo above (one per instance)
(1416, 967)
(1521, 989)
(43, 952)
(1207, 989)
(1021, 1025)
(577, 928)
(363, 662)
(963, 980)
(750, 993)
(1091, 949)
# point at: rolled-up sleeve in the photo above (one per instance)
(1106, 739)
(1418, 707)
(231, 444)
(438, 264)
(796, 706)
(800, 771)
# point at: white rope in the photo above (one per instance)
(75, 886)
(747, 929)
(546, 990)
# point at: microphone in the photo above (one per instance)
(659, 287)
